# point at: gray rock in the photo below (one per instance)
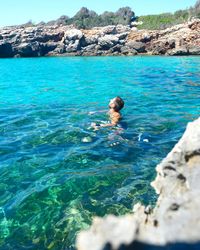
(116, 48)
(159, 50)
(46, 48)
(125, 50)
(194, 50)
(111, 29)
(175, 218)
(122, 29)
(28, 49)
(91, 40)
(90, 48)
(73, 34)
(138, 46)
(180, 51)
(54, 37)
(6, 50)
(161, 47)
(28, 40)
(73, 46)
(107, 41)
(34, 49)
(122, 42)
(57, 51)
(122, 36)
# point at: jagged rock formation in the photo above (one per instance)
(175, 220)
(183, 39)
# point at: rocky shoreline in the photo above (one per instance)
(174, 223)
(36, 41)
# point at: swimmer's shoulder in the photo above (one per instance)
(115, 117)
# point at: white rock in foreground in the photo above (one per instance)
(176, 217)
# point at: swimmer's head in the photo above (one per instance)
(116, 103)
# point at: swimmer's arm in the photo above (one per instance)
(108, 125)
(102, 125)
(115, 120)
(96, 112)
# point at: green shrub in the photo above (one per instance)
(86, 19)
(166, 20)
(162, 21)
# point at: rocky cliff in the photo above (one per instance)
(174, 223)
(183, 39)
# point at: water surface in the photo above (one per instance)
(52, 182)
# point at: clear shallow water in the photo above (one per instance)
(51, 181)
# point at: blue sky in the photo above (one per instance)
(21, 11)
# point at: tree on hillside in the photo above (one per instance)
(197, 5)
(107, 18)
(184, 14)
(85, 18)
(125, 15)
(197, 8)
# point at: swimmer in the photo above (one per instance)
(115, 105)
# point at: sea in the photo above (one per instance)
(56, 171)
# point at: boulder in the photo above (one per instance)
(60, 49)
(45, 48)
(6, 50)
(138, 46)
(194, 24)
(93, 39)
(116, 48)
(179, 51)
(125, 50)
(73, 34)
(107, 41)
(122, 36)
(122, 29)
(73, 46)
(46, 37)
(34, 49)
(160, 47)
(111, 29)
(90, 48)
(28, 49)
(194, 50)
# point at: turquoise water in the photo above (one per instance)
(55, 172)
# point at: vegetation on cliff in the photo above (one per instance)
(167, 20)
(162, 21)
(86, 19)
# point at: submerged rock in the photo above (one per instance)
(175, 220)
(86, 139)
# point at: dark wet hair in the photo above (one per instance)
(119, 103)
